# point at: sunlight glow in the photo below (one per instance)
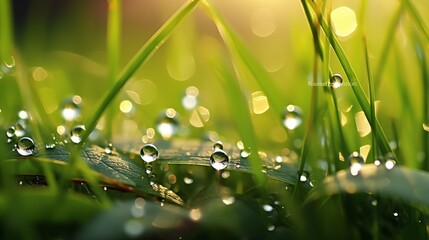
(343, 21)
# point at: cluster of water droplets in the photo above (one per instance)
(19, 135)
(219, 159)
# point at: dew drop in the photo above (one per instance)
(149, 169)
(217, 146)
(10, 132)
(292, 117)
(271, 228)
(149, 153)
(336, 80)
(305, 175)
(25, 146)
(356, 161)
(71, 109)
(19, 130)
(109, 148)
(219, 160)
(188, 180)
(168, 123)
(76, 133)
(264, 169)
(245, 152)
(267, 208)
(237, 165)
(377, 162)
(390, 164)
(228, 200)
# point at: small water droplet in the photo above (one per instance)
(245, 152)
(377, 162)
(168, 123)
(50, 145)
(390, 164)
(395, 214)
(149, 153)
(304, 176)
(71, 109)
(10, 132)
(264, 169)
(105, 188)
(237, 165)
(149, 169)
(76, 133)
(19, 130)
(217, 146)
(25, 146)
(374, 202)
(271, 228)
(267, 208)
(355, 161)
(188, 180)
(109, 148)
(292, 117)
(228, 200)
(336, 80)
(219, 160)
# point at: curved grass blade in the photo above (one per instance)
(418, 20)
(408, 185)
(241, 54)
(141, 57)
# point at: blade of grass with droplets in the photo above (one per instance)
(240, 53)
(354, 82)
(141, 57)
(113, 52)
(371, 99)
(6, 35)
(241, 113)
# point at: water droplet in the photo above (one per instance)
(10, 132)
(168, 123)
(8, 65)
(245, 152)
(50, 145)
(217, 146)
(264, 169)
(356, 161)
(377, 162)
(305, 175)
(188, 180)
(71, 109)
(19, 130)
(292, 117)
(336, 80)
(395, 214)
(190, 100)
(105, 188)
(374, 202)
(149, 153)
(390, 164)
(25, 146)
(109, 148)
(267, 208)
(271, 228)
(219, 160)
(237, 165)
(228, 200)
(76, 133)
(149, 169)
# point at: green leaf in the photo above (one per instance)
(408, 185)
(112, 169)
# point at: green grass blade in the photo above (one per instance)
(113, 53)
(241, 113)
(6, 34)
(241, 54)
(373, 118)
(141, 57)
(354, 82)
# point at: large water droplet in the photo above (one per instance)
(25, 146)
(292, 117)
(76, 133)
(336, 80)
(217, 146)
(71, 109)
(356, 161)
(168, 123)
(149, 153)
(219, 160)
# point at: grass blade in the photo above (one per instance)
(113, 53)
(417, 18)
(141, 57)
